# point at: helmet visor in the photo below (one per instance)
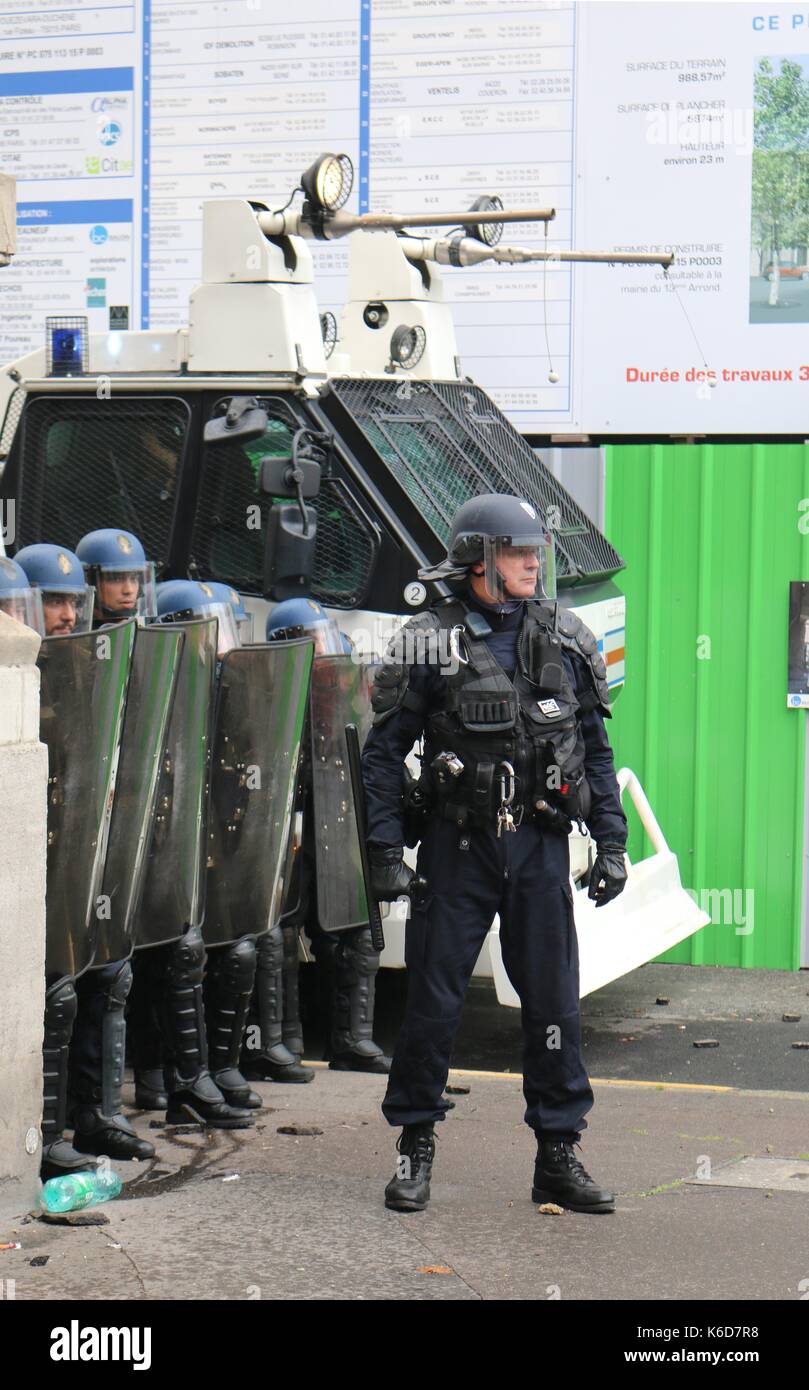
(524, 570)
(228, 636)
(67, 610)
(125, 593)
(26, 607)
(326, 637)
(245, 629)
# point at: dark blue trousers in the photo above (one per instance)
(524, 877)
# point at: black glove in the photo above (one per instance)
(608, 874)
(391, 878)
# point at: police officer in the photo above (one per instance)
(203, 1026)
(123, 579)
(346, 960)
(57, 573)
(508, 692)
(83, 1045)
(17, 598)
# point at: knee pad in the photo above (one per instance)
(120, 985)
(61, 1007)
(234, 966)
(357, 952)
(187, 961)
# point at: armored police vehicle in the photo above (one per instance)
(266, 447)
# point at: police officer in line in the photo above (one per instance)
(201, 1027)
(508, 692)
(347, 963)
(58, 575)
(83, 1043)
(17, 597)
(123, 583)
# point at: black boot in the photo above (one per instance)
(193, 1093)
(409, 1189)
(150, 1089)
(97, 1066)
(270, 1060)
(351, 1044)
(58, 1154)
(292, 1034)
(559, 1177)
(229, 979)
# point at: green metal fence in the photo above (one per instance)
(712, 537)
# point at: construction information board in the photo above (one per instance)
(647, 126)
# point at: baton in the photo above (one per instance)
(358, 794)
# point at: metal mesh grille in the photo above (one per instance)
(345, 549)
(446, 441)
(231, 513)
(92, 463)
(13, 413)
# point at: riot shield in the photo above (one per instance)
(155, 663)
(173, 896)
(340, 695)
(83, 681)
(261, 709)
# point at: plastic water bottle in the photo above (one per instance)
(77, 1190)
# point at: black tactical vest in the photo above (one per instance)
(488, 721)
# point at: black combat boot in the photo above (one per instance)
(193, 1093)
(97, 1066)
(150, 1089)
(559, 1177)
(409, 1189)
(229, 981)
(58, 1154)
(270, 1060)
(351, 1042)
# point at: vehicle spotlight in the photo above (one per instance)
(328, 329)
(327, 182)
(407, 346)
(487, 232)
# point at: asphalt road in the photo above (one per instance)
(627, 1034)
(793, 306)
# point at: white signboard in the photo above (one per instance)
(73, 122)
(647, 126)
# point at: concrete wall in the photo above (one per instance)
(23, 832)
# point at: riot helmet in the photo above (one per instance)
(17, 598)
(124, 580)
(503, 540)
(67, 599)
(181, 600)
(244, 620)
(304, 617)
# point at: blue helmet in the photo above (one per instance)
(180, 600)
(304, 617)
(244, 620)
(17, 598)
(116, 565)
(67, 598)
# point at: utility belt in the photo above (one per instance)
(492, 795)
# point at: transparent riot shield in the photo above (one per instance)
(155, 664)
(340, 695)
(261, 708)
(83, 681)
(173, 896)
